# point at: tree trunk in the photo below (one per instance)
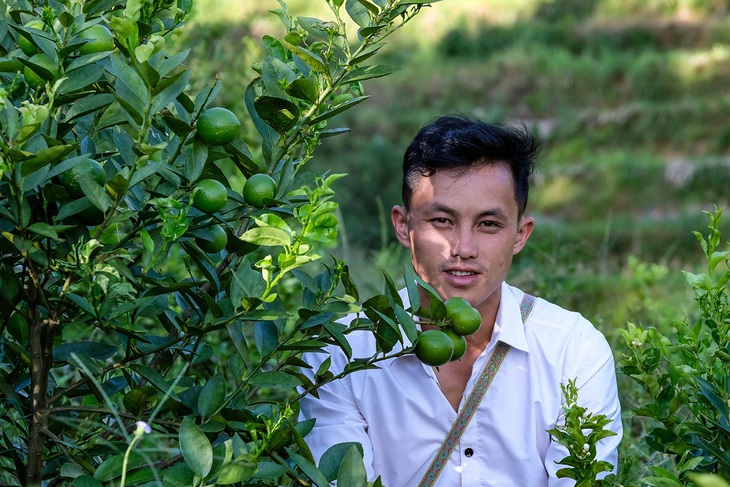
(41, 353)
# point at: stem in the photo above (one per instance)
(126, 460)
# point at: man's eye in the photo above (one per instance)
(441, 221)
(489, 223)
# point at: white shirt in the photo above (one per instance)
(400, 416)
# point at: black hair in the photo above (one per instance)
(458, 142)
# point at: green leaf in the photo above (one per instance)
(270, 470)
(366, 53)
(304, 89)
(337, 335)
(309, 469)
(96, 193)
(268, 134)
(276, 75)
(712, 394)
(44, 229)
(88, 104)
(82, 77)
(266, 336)
(196, 449)
(44, 157)
(267, 236)
(275, 378)
(310, 59)
(352, 470)
(212, 396)
(407, 323)
(169, 89)
(86, 481)
(156, 379)
(359, 12)
(95, 350)
(236, 471)
(331, 460)
(140, 399)
(145, 171)
(338, 109)
(282, 115)
(368, 72)
(111, 468)
(195, 156)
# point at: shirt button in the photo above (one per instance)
(468, 452)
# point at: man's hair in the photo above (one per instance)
(458, 142)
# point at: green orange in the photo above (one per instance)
(258, 189)
(88, 167)
(218, 126)
(215, 241)
(100, 39)
(24, 43)
(465, 319)
(209, 196)
(459, 343)
(36, 79)
(434, 347)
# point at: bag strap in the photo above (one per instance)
(472, 402)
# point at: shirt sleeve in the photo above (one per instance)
(337, 416)
(589, 361)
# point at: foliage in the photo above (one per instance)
(579, 433)
(129, 355)
(687, 376)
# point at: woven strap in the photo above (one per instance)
(472, 402)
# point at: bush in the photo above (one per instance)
(128, 353)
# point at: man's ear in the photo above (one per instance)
(399, 217)
(524, 230)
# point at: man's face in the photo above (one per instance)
(463, 229)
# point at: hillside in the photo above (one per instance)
(630, 99)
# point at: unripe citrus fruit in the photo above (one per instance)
(259, 188)
(100, 39)
(434, 348)
(465, 319)
(89, 167)
(216, 241)
(209, 196)
(218, 126)
(24, 44)
(35, 80)
(459, 343)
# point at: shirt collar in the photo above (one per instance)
(508, 326)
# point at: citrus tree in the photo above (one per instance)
(153, 317)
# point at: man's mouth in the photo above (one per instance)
(461, 273)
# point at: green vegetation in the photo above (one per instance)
(629, 98)
(152, 348)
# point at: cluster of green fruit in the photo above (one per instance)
(219, 126)
(41, 67)
(215, 126)
(436, 347)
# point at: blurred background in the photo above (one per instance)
(630, 98)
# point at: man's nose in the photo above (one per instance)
(463, 244)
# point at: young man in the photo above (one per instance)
(465, 189)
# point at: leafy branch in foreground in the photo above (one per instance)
(687, 376)
(579, 433)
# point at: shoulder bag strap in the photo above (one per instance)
(472, 402)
